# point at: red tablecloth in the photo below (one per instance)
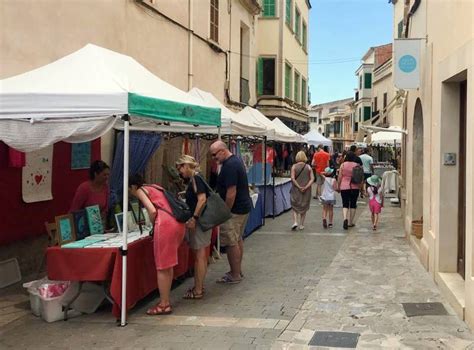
(105, 264)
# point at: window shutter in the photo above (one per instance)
(366, 113)
(368, 80)
(260, 76)
(288, 12)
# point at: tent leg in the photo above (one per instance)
(264, 158)
(124, 249)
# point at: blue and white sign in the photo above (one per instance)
(407, 63)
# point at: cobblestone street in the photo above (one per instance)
(295, 283)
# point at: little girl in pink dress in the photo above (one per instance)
(375, 199)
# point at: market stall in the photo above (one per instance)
(79, 97)
(314, 138)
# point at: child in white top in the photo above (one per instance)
(328, 196)
(375, 199)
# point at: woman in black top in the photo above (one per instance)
(196, 197)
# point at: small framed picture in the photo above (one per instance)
(80, 224)
(94, 220)
(119, 221)
(65, 229)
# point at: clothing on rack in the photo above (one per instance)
(390, 182)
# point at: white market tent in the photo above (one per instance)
(282, 129)
(391, 137)
(231, 123)
(314, 138)
(76, 99)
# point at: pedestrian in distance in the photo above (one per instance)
(197, 192)
(320, 162)
(368, 165)
(300, 194)
(328, 196)
(375, 199)
(349, 190)
(232, 185)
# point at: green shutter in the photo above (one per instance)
(303, 92)
(287, 81)
(400, 29)
(288, 12)
(367, 80)
(305, 40)
(367, 113)
(297, 88)
(269, 8)
(260, 76)
(297, 24)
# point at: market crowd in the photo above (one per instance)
(349, 174)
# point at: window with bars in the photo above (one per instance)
(297, 24)
(287, 80)
(297, 88)
(269, 8)
(305, 36)
(303, 92)
(266, 76)
(214, 25)
(288, 8)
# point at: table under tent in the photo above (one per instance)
(80, 97)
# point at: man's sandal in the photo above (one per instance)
(159, 309)
(191, 294)
(227, 279)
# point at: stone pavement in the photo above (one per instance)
(295, 283)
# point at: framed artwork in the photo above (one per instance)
(52, 231)
(80, 224)
(137, 214)
(94, 220)
(81, 155)
(131, 224)
(119, 221)
(65, 229)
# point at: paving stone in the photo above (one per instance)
(335, 339)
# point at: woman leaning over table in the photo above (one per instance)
(168, 235)
(197, 192)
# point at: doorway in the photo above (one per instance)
(461, 259)
(417, 178)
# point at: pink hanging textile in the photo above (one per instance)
(16, 159)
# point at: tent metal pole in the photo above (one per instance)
(124, 250)
(264, 159)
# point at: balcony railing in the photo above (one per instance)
(244, 91)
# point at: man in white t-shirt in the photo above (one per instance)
(367, 164)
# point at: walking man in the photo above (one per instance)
(367, 164)
(232, 186)
(319, 163)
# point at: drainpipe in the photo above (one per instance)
(190, 45)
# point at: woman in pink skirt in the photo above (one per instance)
(168, 234)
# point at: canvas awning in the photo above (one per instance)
(314, 138)
(82, 92)
(291, 135)
(392, 136)
(231, 123)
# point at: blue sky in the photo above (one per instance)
(343, 30)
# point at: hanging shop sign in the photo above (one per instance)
(407, 63)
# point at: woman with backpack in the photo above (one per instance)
(197, 192)
(168, 234)
(349, 188)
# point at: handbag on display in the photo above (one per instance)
(215, 212)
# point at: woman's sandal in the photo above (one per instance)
(159, 309)
(191, 294)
